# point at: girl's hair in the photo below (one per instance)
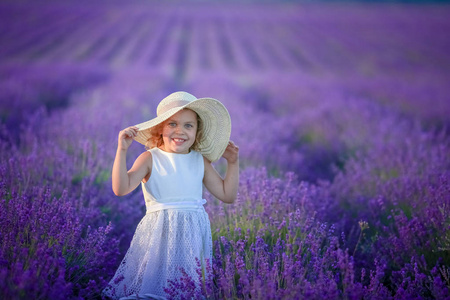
(156, 139)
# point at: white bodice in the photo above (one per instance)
(176, 181)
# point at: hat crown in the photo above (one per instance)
(176, 99)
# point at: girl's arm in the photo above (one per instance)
(123, 181)
(224, 189)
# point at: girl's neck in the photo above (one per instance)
(163, 150)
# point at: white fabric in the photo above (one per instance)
(174, 232)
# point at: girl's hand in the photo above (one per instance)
(126, 137)
(231, 153)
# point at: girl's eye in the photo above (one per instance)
(172, 124)
(188, 126)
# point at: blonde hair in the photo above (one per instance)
(156, 139)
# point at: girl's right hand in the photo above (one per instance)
(126, 137)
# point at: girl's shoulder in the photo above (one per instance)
(146, 160)
(145, 157)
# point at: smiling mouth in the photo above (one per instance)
(179, 140)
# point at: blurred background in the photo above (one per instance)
(304, 54)
(340, 108)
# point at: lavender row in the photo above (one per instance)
(308, 37)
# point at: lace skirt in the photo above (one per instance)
(165, 242)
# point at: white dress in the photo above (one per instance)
(173, 233)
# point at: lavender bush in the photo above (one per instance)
(340, 112)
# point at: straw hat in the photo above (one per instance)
(215, 117)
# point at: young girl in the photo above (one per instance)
(185, 137)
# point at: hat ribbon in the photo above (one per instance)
(171, 105)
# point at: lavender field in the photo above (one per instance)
(341, 112)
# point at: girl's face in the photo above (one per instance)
(179, 132)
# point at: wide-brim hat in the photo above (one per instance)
(215, 117)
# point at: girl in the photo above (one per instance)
(185, 137)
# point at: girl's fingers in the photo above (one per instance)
(130, 131)
(233, 146)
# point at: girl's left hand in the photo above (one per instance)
(231, 153)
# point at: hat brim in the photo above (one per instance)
(216, 126)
